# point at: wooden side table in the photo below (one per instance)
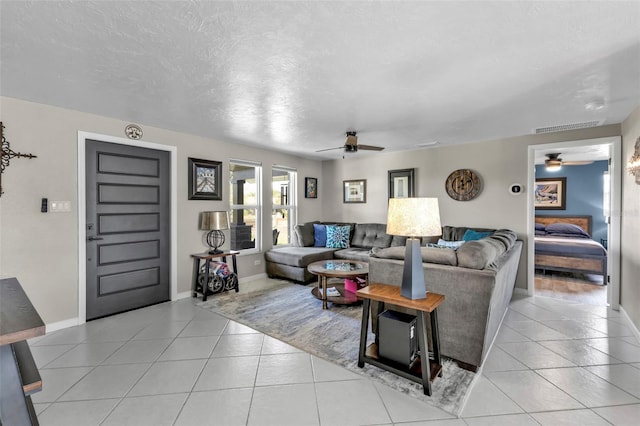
(421, 372)
(199, 257)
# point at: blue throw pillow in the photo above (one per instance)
(319, 235)
(338, 236)
(471, 235)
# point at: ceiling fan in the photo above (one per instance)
(351, 145)
(554, 161)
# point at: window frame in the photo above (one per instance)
(258, 207)
(292, 197)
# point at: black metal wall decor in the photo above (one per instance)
(6, 154)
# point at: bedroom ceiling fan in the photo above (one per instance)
(351, 145)
(554, 162)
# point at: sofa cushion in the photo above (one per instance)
(319, 235)
(298, 256)
(506, 237)
(455, 233)
(442, 256)
(338, 236)
(480, 253)
(304, 234)
(370, 235)
(471, 235)
(398, 240)
(353, 253)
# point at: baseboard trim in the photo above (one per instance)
(253, 278)
(632, 326)
(183, 295)
(55, 326)
(521, 291)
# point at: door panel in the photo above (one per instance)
(128, 227)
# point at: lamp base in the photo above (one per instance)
(413, 275)
(215, 251)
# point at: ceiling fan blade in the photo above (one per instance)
(370, 147)
(330, 149)
(576, 163)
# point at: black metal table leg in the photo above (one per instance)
(235, 270)
(363, 331)
(435, 338)
(205, 286)
(424, 353)
(196, 272)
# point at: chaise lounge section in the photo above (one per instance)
(291, 262)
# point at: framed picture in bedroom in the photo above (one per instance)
(310, 187)
(354, 191)
(205, 179)
(550, 193)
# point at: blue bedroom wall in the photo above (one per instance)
(584, 193)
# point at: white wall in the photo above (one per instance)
(630, 220)
(41, 250)
(499, 164)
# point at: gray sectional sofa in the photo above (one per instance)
(477, 280)
(291, 262)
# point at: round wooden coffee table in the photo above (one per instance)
(326, 269)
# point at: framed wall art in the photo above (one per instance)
(205, 179)
(401, 183)
(354, 191)
(551, 193)
(310, 187)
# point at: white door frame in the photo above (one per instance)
(82, 212)
(613, 245)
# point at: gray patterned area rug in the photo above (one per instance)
(290, 313)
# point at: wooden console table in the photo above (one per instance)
(423, 371)
(19, 321)
(198, 257)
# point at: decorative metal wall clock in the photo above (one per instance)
(463, 185)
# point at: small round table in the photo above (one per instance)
(326, 269)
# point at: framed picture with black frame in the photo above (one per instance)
(310, 187)
(354, 191)
(550, 193)
(205, 179)
(402, 183)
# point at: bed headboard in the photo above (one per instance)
(583, 221)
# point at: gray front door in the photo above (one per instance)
(128, 223)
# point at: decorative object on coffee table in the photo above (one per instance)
(215, 223)
(413, 218)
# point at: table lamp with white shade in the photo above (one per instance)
(413, 218)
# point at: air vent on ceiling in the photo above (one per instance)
(565, 127)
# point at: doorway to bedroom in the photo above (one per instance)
(572, 230)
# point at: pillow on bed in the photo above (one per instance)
(567, 230)
(539, 226)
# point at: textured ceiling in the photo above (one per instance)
(294, 76)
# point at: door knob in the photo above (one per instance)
(92, 238)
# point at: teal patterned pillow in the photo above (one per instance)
(338, 236)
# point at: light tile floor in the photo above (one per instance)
(553, 363)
